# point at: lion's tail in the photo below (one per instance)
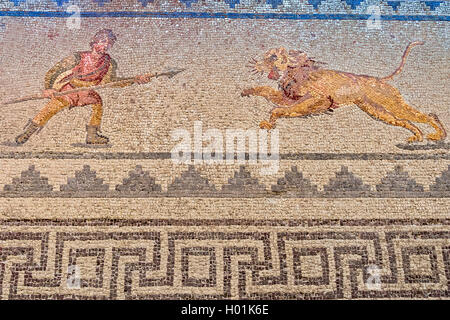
(405, 55)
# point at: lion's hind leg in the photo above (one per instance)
(401, 110)
(406, 112)
(391, 100)
(378, 112)
(431, 120)
(440, 133)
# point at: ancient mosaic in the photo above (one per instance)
(224, 149)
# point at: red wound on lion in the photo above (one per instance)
(273, 75)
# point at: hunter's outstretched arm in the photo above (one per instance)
(122, 82)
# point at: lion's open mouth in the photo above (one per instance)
(273, 74)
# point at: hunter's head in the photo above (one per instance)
(103, 40)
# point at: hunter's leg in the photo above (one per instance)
(96, 117)
(51, 108)
(93, 128)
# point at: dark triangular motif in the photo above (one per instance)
(138, 181)
(84, 181)
(243, 183)
(433, 4)
(145, 2)
(293, 181)
(274, 3)
(394, 4)
(315, 3)
(353, 3)
(29, 181)
(188, 3)
(398, 181)
(190, 182)
(442, 182)
(344, 182)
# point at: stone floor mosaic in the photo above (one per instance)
(235, 149)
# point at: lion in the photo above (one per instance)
(306, 88)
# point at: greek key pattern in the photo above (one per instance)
(271, 259)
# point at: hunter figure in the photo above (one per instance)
(82, 69)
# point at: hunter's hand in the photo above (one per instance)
(143, 79)
(49, 93)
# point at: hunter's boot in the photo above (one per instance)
(93, 137)
(30, 129)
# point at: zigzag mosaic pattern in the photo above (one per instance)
(274, 263)
(139, 183)
(316, 4)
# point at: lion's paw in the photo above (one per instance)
(265, 125)
(415, 139)
(435, 136)
(246, 92)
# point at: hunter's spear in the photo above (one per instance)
(124, 81)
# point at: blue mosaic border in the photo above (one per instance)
(354, 4)
(220, 15)
(398, 10)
